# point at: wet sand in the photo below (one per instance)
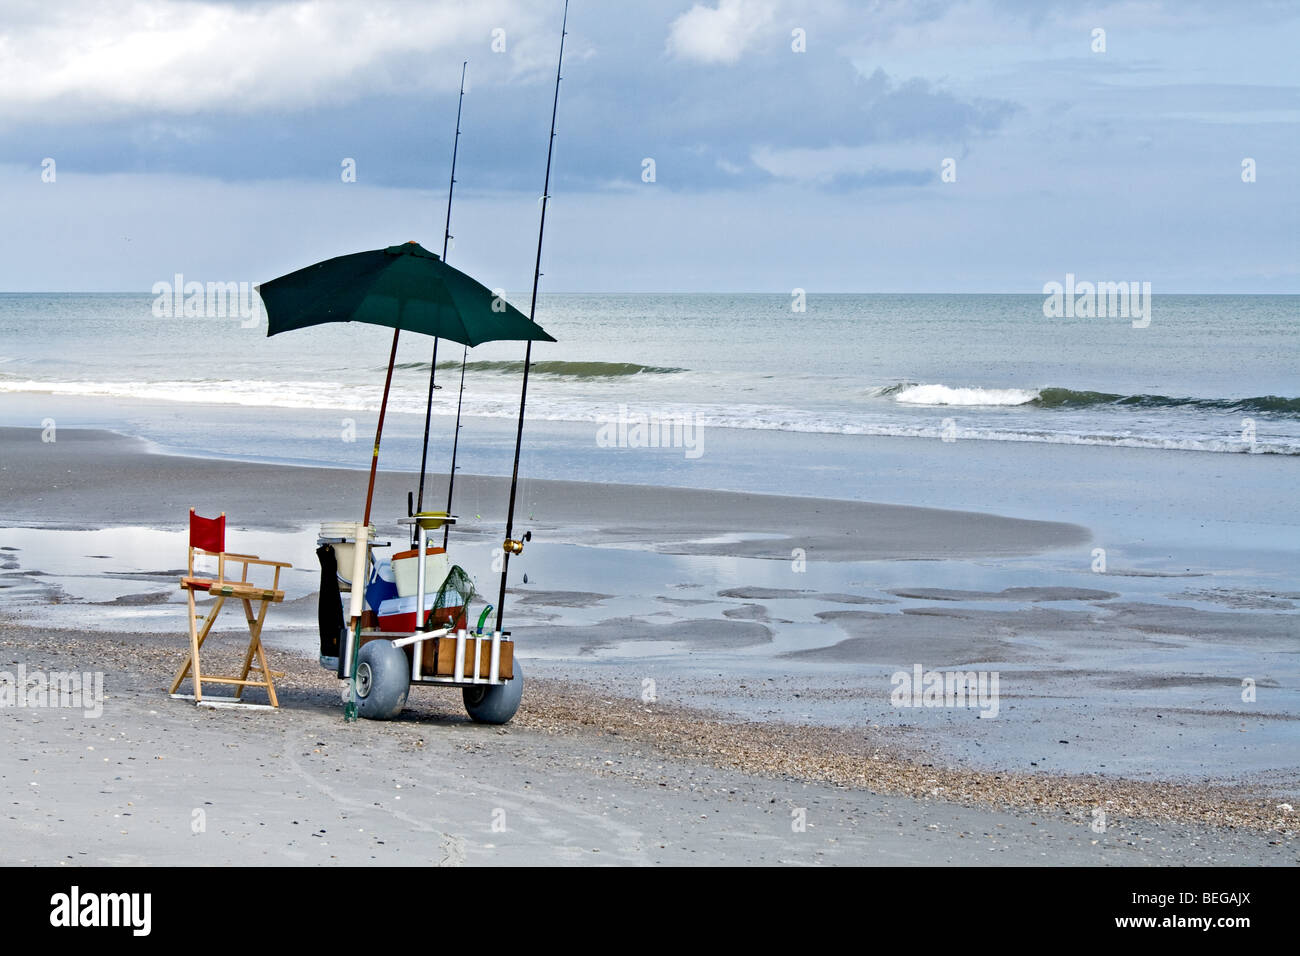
(90, 479)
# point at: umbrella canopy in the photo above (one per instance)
(404, 287)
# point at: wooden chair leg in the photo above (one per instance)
(261, 655)
(255, 647)
(266, 672)
(193, 659)
(180, 674)
(248, 656)
(197, 638)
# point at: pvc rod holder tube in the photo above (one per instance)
(494, 667)
(422, 538)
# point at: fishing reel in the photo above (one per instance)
(516, 545)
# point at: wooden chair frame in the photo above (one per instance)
(222, 589)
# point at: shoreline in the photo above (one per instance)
(46, 490)
(1158, 508)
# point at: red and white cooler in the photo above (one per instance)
(398, 614)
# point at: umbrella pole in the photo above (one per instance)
(379, 429)
(510, 544)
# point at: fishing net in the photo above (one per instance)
(452, 600)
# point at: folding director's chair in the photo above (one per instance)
(208, 537)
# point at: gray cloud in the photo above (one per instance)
(228, 155)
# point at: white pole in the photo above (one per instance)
(357, 597)
(422, 539)
(494, 672)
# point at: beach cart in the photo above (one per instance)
(408, 288)
(389, 654)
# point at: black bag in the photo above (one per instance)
(329, 611)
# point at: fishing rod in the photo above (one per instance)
(455, 443)
(464, 353)
(511, 546)
(433, 363)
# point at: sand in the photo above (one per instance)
(581, 775)
(573, 780)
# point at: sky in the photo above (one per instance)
(931, 146)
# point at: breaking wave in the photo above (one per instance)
(912, 394)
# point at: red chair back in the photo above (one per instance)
(208, 534)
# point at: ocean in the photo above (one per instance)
(1175, 443)
(1215, 374)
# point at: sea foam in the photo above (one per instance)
(947, 395)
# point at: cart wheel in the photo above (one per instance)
(383, 680)
(495, 703)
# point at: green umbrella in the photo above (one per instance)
(402, 287)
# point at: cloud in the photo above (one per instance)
(254, 103)
(719, 34)
(89, 59)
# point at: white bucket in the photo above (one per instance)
(407, 576)
(344, 552)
